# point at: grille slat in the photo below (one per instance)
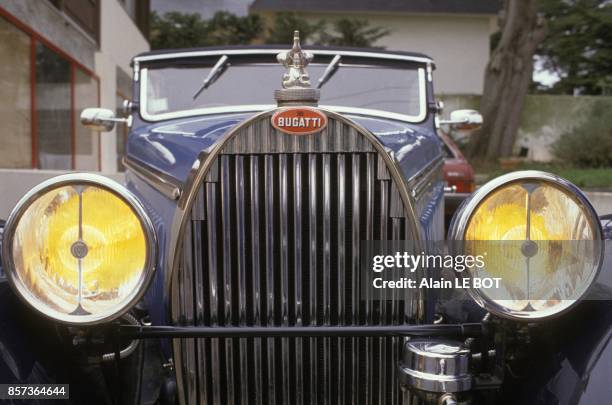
(297, 268)
(257, 296)
(312, 211)
(269, 244)
(369, 311)
(357, 380)
(275, 240)
(340, 275)
(199, 286)
(241, 285)
(213, 292)
(226, 232)
(284, 270)
(326, 276)
(395, 348)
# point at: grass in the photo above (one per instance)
(587, 178)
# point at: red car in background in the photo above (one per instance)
(458, 175)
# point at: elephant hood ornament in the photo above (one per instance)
(296, 81)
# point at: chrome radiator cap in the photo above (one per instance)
(435, 366)
(296, 82)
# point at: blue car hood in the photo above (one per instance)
(172, 146)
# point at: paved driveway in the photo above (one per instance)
(602, 201)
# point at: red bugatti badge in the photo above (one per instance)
(299, 120)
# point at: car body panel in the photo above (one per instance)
(458, 172)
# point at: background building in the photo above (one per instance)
(58, 57)
(456, 33)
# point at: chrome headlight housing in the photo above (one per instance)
(539, 235)
(79, 249)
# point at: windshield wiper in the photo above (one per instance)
(329, 71)
(214, 74)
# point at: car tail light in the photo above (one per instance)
(463, 186)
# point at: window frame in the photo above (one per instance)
(36, 38)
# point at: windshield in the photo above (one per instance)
(169, 90)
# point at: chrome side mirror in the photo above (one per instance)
(465, 120)
(100, 119)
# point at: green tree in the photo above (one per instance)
(355, 32)
(507, 79)
(281, 31)
(228, 29)
(177, 30)
(183, 30)
(578, 47)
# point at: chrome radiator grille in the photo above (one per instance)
(274, 239)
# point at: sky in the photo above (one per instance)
(545, 77)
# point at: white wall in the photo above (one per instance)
(459, 44)
(120, 40)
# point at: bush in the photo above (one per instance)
(588, 145)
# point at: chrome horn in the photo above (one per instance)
(436, 370)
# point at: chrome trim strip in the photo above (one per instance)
(268, 51)
(263, 107)
(76, 180)
(163, 183)
(420, 181)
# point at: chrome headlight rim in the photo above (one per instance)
(78, 179)
(462, 217)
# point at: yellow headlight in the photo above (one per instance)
(79, 248)
(539, 235)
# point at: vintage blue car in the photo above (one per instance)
(230, 267)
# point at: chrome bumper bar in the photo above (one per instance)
(144, 332)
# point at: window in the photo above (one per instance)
(53, 105)
(86, 13)
(86, 141)
(15, 115)
(45, 91)
(397, 88)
